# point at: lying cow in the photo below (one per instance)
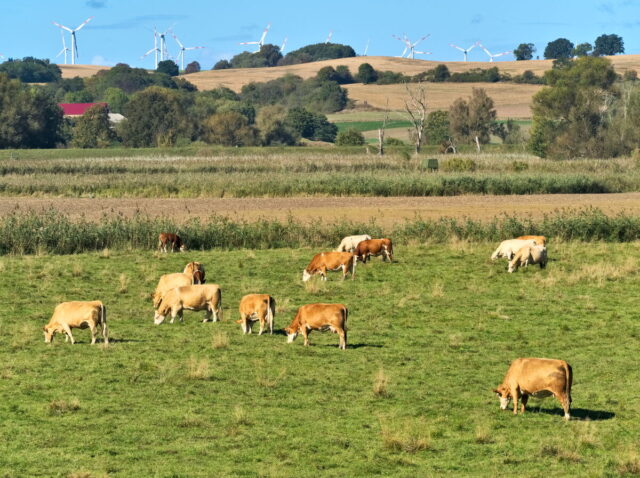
(536, 377)
(541, 240)
(206, 297)
(374, 247)
(196, 271)
(509, 247)
(529, 255)
(254, 307)
(349, 243)
(167, 238)
(330, 261)
(77, 315)
(310, 317)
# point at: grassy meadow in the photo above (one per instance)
(301, 172)
(429, 337)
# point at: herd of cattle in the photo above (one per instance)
(187, 290)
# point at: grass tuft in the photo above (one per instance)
(59, 407)
(124, 283)
(220, 340)
(198, 369)
(241, 416)
(381, 384)
(409, 436)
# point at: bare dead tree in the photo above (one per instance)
(381, 130)
(416, 107)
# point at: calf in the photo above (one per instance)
(536, 377)
(349, 243)
(319, 317)
(330, 261)
(374, 247)
(195, 270)
(529, 255)
(207, 297)
(77, 315)
(168, 238)
(254, 307)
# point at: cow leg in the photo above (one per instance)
(67, 330)
(262, 322)
(515, 395)
(93, 333)
(344, 271)
(343, 339)
(566, 404)
(323, 273)
(305, 334)
(207, 315)
(525, 398)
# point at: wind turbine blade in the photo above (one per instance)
(456, 47)
(472, 47)
(83, 24)
(177, 41)
(60, 53)
(148, 53)
(63, 27)
(249, 43)
(194, 47)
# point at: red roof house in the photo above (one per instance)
(77, 109)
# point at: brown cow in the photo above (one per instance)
(540, 240)
(254, 307)
(195, 270)
(374, 247)
(166, 238)
(537, 377)
(319, 317)
(77, 315)
(330, 261)
(206, 297)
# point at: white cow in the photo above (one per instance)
(350, 243)
(529, 255)
(509, 247)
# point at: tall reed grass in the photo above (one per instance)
(55, 233)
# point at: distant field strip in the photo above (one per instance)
(371, 125)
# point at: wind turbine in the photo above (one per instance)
(259, 42)
(284, 43)
(74, 44)
(366, 48)
(64, 48)
(164, 53)
(183, 49)
(463, 50)
(155, 48)
(329, 36)
(411, 46)
(492, 56)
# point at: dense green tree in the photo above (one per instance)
(273, 127)
(350, 137)
(155, 117)
(560, 48)
(31, 70)
(230, 129)
(168, 67)
(116, 99)
(193, 67)
(318, 52)
(344, 76)
(366, 74)
(311, 125)
(267, 56)
(29, 117)
(474, 118)
(441, 73)
(608, 45)
(582, 49)
(327, 73)
(437, 127)
(93, 129)
(524, 51)
(129, 80)
(222, 65)
(80, 96)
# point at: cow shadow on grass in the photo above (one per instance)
(576, 413)
(353, 346)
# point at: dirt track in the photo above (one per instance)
(385, 210)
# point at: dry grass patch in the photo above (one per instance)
(198, 369)
(220, 340)
(409, 436)
(437, 290)
(77, 270)
(560, 453)
(106, 253)
(598, 274)
(381, 384)
(124, 283)
(264, 379)
(629, 463)
(315, 286)
(402, 302)
(241, 416)
(483, 434)
(59, 407)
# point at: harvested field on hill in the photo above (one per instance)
(386, 211)
(83, 71)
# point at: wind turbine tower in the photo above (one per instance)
(329, 36)
(74, 43)
(466, 52)
(284, 44)
(64, 48)
(183, 49)
(155, 48)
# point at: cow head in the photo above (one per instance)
(183, 248)
(504, 395)
(513, 266)
(305, 275)
(292, 333)
(160, 313)
(48, 334)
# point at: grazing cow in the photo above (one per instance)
(349, 243)
(254, 307)
(374, 247)
(536, 377)
(168, 238)
(330, 261)
(529, 255)
(168, 282)
(541, 240)
(206, 297)
(310, 317)
(509, 247)
(77, 315)
(195, 270)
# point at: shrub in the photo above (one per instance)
(350, 137)
(459, 165)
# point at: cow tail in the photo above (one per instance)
(345, 313)
(103, 319)
(219, 304)
(271, 305)
(569, 380)
(353, 265)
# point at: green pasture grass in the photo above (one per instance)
(429, 336)
(372, 125)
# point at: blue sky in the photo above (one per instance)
(121, 30)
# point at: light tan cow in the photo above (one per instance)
(540, 240)
(330, 261)
(537, 377)
(310, 317)
(169, 239)
(509, 247)
(196, 271)
(254, 307)
(77, 315)
(168, 282)
(207, 297)
(529, 255)
(374, 247)
(349, 243)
